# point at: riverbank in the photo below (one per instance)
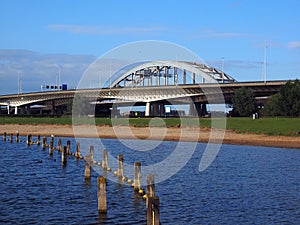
(155, 133)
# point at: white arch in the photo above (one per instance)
(210, 74)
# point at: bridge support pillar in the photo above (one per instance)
(8, 109)
(192, 111)
(115, 112)
(147, 112)
(162, 109)
(203, 109)
(197, 109)
(53, 111)
(22, 110)
(27, 110)
(16, 110)
(155, 109)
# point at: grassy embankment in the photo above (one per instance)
(269, 126)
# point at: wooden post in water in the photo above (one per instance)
(137, 176)
(17, 137)
(102, 206)
(150, 185)
(29, 139)
(44, 143)
(59, 145)
(92, 153)
(152, 210)
(105, 159)
(64, 156)
(68, 147)
(77, 154)
(51, 145)
(152, 202)
(120, 172)
(4, 136)
(87, 167)
(38, 140)
(11, 137)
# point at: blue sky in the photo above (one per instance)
(35, 33)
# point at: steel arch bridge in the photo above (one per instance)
(166, 73)
(155, 82)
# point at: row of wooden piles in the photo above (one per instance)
(152, 201)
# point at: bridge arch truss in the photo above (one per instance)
(168, 73)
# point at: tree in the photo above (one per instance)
(290, 98)
(286, 102)
(244, 102)
(272, 107)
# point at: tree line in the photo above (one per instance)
(285, 103)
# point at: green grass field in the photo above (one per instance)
(269, 126)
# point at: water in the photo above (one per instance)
(244, 185)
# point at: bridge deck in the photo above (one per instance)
(147, 94)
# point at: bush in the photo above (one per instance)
(244, 102)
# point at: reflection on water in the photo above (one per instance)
(252, 185)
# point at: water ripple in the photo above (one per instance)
(244, 185)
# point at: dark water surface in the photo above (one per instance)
(244, 185)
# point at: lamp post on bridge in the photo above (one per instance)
(265, 65)
(58, 76)
(19, 83)
(222, 69)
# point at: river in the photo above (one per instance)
(243, 185)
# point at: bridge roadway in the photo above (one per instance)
(212, 93)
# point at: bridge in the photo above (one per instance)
(152, 84)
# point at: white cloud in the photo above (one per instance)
(216, 34)
(294, 44)
(36, 69)
(102, 30)
(236, 64)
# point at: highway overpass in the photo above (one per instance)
(122, 96)
(152, 84)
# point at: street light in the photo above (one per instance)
(222, 69)
(265, 65)
(58, 79)
(19, 83)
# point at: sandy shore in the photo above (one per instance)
(173, 134)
